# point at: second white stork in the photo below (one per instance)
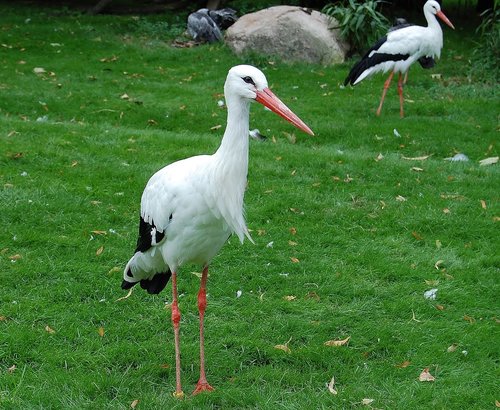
(399, 49)
(191, 207)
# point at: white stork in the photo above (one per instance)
(399, 49)
(191, 207)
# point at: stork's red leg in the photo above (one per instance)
(386, 86)
(202, 305)
(176, 319)
(401, 98)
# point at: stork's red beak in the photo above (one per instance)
(267, 98)
(445, 19)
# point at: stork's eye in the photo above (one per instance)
(248, 80)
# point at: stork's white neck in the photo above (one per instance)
(233, 149)
(230, 166)
(431, 20)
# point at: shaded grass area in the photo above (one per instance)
(356, 237)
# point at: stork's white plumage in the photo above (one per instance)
(399, 49)
(191, 207)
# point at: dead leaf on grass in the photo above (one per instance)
(483, 203)
(100, 232)
(469, 319)
(417, 236)
(100, 331)
(452, 348)
(99, 250)
(488, 161)
(425, 376)
(289, 298)
(367, 402)
(15, 257)
(331, 386)
(134, 404)
(404, 364)
(48, 329)
(340, 342)
(284, 347)
(421, 158)
(497, 403)
(294, 260)
(126, 296)
(400, 198)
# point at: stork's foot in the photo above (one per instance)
(201, 387)
(178, 394)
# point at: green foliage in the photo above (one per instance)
(486, 57)
(355, 236)
(361, 24)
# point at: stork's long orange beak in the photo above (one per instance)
(445, 19)
(267, 98)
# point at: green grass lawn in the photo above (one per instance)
(349, 230)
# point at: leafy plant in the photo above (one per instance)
(486, 56)
(360, 23)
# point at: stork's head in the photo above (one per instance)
(433, 7)
(248, 82)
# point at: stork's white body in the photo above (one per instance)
(191, 207)
(399, 49)
(413, 41)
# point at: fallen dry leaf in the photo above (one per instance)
(438, 244)
(483, 204)
(417, 236)
(438, 264)
(134, 404)
(2, 318)
(289, 298)
(379, 157)
(488, 161)
(293, 230)
(469, 319)
(417, 169)
(15, 257)
(48, 329)
(99, 251)
(126, 296)
(39, 70)
(367, 402)
(109, 59)
(340, 342)
(331, 386)
(439, 307)
(284, 347)
(114, 270)
(400, 198)
(425, 376)
(294, 260)
(12, 368)
(215, 127)
(406, 363)
(421, 158)
(101, 331)
(497, 403)
(452, 348)
(100, 232)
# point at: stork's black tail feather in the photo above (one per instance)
(152, 286)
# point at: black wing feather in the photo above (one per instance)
(370, 61)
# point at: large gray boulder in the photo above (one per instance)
(290, 33)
